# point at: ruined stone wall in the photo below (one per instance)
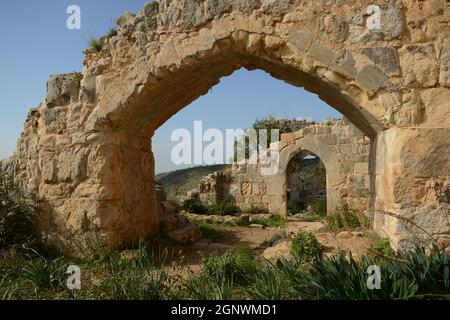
(85, 149)
(343, 149)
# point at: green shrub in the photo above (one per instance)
(275, 221)
(141, 284)
(194, 205)
(310, 217)
(345, 219)
(413, 275)
(381, 247)
(210, 231)
(17, 211)
(45, 273)
(255, 210)
(96, 44)
(232, 265)
(306, 247)
(140, 277)
(112, 33)
(204, 287)
(319, 207)
(269, 283)
(222, 208)
(295, 206)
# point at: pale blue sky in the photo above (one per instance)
(37, 44)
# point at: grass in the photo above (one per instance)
(319, 207)
(96, 44)
(306, 247)
(381, 247)
(345, 219)
(414, 275)
(17, 213)
(275, 221)
(211, 231)
(222, 208)
(255, 210)
(237, 274)
(234, 266)
(112, 33)
(269, 283)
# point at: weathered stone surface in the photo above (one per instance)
(392, 21)
(187, 235)
(385, 58)
(419, 66)
(445, 64)
(345, 64)
(371, 78)
(172, 222)
(331, 141)
(63, 89)
(126, 19)
(279, 251)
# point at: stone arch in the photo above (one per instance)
(345, 151)
(85, 148)
(292, 180)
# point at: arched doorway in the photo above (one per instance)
(306, 188)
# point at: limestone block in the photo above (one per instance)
(444, 78)
(419, 66)
(361, 168)
(63, 89)
(321, 53)
(187, 235)
(385, 58)
(371, 78)
(344, 63)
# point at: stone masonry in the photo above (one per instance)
(343, 149)
(86, 149)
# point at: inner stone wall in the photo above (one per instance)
(343, 149)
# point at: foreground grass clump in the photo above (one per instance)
(222, 208)
(146, 275)
(306, 247)
(381, 248)
(255, 210)
(269, 283)
(235, 266)
(412, 275)
(274, 221)
(17, 211)
(194, 205)
(96, 44)
(319, 207)
(345, 219)
(211, 231)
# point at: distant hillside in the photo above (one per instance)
(178, 183)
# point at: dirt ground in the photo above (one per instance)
(227, 237)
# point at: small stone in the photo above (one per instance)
(345, 235)
(385, 58)
(371, 78)
(281, 250)
(187, 235)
